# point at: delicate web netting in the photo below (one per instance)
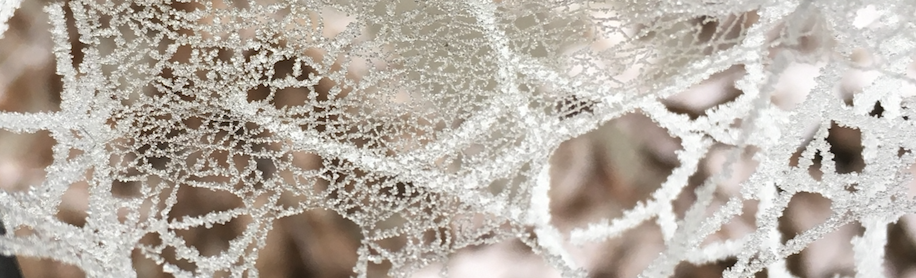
(430, 126)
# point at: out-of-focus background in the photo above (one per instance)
(595, 176)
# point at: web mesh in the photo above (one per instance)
(431, 126)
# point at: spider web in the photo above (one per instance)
(433, 122)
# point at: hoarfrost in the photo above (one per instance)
(418, 118)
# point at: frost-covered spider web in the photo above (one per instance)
(432, 124)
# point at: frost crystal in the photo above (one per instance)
(433, 127)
